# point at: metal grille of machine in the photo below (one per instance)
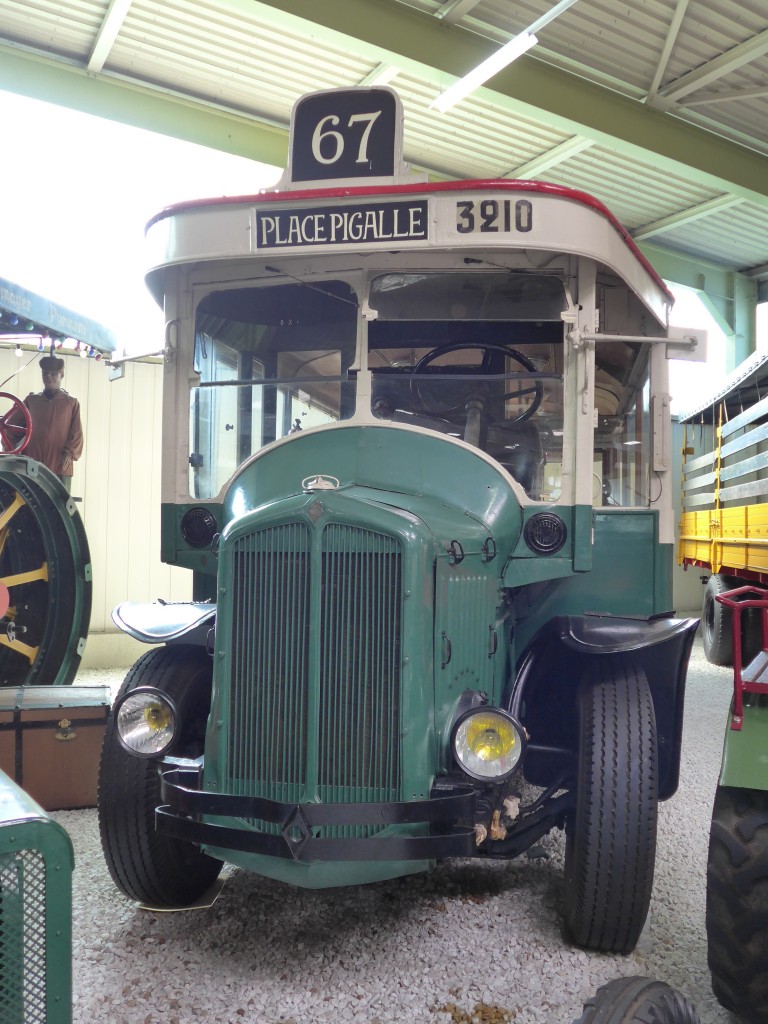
(36, 863)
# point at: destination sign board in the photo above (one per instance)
(383, 222)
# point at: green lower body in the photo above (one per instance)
(745, 751)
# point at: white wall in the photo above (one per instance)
(118, 479)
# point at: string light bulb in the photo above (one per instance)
(18, 350)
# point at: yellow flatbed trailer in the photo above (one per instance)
(724, 524)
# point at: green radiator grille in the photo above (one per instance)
(320, 721)
(270, 641)
(359, 665)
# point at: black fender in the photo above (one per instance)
(187, 622)
(543, 694)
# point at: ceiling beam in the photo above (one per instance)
(669, 43)
(545, 161)
(107, 34)
(454, 10)
(677, 220)
(382, 74)
(728, 97)
(721, 65)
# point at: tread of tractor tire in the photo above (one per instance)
(637, 1001)
(737, 902)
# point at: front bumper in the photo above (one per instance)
(186, 812)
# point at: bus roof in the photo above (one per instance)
(575, 222)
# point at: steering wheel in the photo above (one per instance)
(453, 397)
(15, 425)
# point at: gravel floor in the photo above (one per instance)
(469, 944)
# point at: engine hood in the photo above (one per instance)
(442, 483)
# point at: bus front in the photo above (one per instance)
(414, 439)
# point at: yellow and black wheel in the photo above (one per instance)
(45, 577)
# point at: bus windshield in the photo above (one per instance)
(478, 356)
(475, 354)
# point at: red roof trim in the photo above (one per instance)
(501, 184)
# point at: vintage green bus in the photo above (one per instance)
(416, 454)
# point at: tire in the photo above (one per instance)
(637, 1001)
(611, 834)
(752, 633)
(144, 864)
(717, 621)
(737, 902)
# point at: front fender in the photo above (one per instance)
(543, 694)
(161, 623)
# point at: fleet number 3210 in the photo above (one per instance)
(494, 215)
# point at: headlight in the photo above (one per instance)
(147, 722)
(488, 744)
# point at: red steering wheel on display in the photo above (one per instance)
(14, 437)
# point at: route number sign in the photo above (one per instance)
(345, 134)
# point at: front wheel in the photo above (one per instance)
(611, 835)
(144, 864)
(737, 902)
(637, 1001)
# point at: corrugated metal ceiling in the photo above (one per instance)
(627, 76)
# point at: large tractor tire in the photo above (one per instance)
(717, 621)
(737, 902)
(611, 835)
(146, 865)
(637, 1001)
(45, 577)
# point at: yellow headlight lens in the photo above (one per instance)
(488, 744)
(146, 722)
(157, 717)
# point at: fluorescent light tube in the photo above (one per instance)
(475, 78)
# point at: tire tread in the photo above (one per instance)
(737, 902)
(611, 838)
